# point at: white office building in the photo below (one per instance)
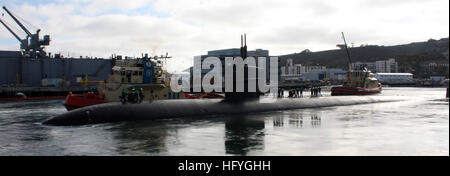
(394, 78)
(381, 66)
(387, 66)
(300, 72)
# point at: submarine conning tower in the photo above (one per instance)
(246, 95)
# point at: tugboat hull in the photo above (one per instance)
(75, 101)
(336, 91)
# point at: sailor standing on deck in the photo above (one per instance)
(279, 92)
(123, 97)
(301, 92)
(141, 95)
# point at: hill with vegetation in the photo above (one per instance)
(410, 57)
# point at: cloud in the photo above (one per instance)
(188, 28)
(389, 3)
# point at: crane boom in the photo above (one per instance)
(18, 22)
(348, 53)
(12, 32)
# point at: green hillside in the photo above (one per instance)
(409, 56)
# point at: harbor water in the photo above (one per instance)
(418, 126)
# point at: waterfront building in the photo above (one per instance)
(380, 66)
(394, 78)
(299, 72)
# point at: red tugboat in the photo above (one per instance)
(75, 101)
(359, 82)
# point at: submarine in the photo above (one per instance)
(165, 109)
(235, 102)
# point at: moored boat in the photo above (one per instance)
(131, 81)
(359, 82)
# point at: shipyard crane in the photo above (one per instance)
(31, 45)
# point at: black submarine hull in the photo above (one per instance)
(163, 109)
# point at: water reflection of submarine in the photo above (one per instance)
(244, 134)
(296, 119)
(114, 112)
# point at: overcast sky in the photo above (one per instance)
(185, 28)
